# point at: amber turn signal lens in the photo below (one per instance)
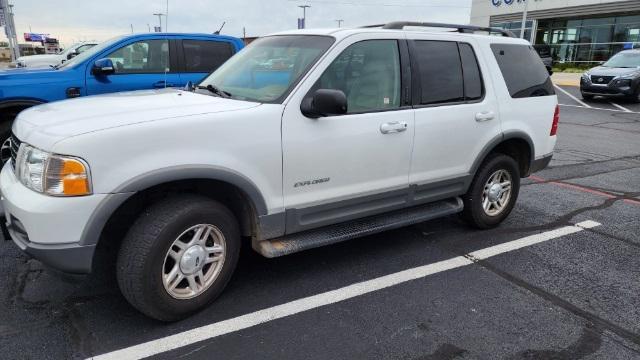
(67, 177)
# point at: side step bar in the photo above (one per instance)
(331, 234)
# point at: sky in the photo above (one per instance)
(76, 20)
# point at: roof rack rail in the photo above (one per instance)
(399, 25)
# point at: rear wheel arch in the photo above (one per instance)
(515, 144)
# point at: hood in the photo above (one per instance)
(10, 78)
(42, 57)
(609, 71)
(40, 60)
(44, 125)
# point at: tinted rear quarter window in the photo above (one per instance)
(523, 71)
(440, 72)
(205, 56)
(471, 72)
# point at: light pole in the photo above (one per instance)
(159, 15)
(524, 18)
(304, 14)
(339, 21)
(10, 28)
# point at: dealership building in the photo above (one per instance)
(577, 31)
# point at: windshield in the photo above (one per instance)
(267, 70)
(68, 49)
(624, 60)
(89, 53)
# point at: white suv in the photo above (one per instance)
(303, 139)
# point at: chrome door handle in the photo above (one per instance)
(393, 127)
(485, 116)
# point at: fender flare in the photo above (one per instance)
(19, 102)
(102, 213)
(507, 135)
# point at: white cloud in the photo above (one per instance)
(72, 20)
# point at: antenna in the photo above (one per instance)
(218, 32)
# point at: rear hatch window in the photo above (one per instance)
(523, 71)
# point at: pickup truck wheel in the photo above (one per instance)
(6, 120)
(178, 256)
(493, 192)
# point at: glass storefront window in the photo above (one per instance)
(589, 40)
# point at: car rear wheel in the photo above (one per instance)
(493, 192)
(178, 256)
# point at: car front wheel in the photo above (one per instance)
(493, 192)
(178, 256)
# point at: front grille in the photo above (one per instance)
(601, 80)
(15, 146)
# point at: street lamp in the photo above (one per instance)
(304, 14)
(159, 15)
(339, 21)
(524, 18)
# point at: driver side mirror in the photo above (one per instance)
(324, 102)
(72, 55)
(103, 67)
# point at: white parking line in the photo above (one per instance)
(620, 107)
(603, 109)
(572, 97)
(211, 331)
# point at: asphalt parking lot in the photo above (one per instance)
(537, 287)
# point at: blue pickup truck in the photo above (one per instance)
(131, 62)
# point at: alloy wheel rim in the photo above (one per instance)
(5, 151)
(194, 261)
(497, 192)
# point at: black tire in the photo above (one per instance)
(474, 212)
(141, 258)
(6, 120)
(586, 97)
(635, 98)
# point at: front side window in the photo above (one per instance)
(142, 57)
(205, 56)
(368, 72)
(269, 68)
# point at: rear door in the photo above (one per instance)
(456, 114)
(198, 58)
(141, 64)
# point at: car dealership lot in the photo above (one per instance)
(572, 296)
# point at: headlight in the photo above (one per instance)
(50, 174)
(622, 82)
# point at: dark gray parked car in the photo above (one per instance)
(618, 77)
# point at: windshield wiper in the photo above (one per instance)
(216, 91)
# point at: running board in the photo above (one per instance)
(332, 234)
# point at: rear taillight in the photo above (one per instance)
(556, 118)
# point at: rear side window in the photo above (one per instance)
(205, 56)
(440, 72)
(523, 71)
(470, 72)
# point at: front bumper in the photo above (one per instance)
(608, 90)
(48, 228)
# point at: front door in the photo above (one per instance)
(343, 167)
(140, 65)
